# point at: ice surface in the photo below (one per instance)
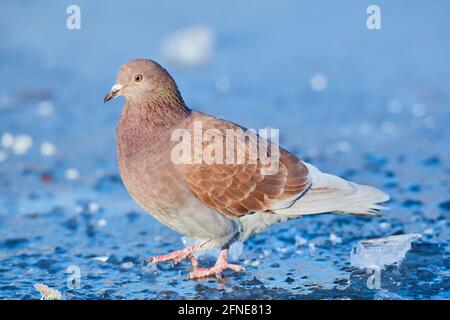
(382, 252)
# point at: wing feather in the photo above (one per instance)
(241, 189)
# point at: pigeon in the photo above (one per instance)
(171, 161)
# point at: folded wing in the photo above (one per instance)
(243, 187)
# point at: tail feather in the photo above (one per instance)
(330, 193)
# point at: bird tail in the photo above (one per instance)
(330, 193)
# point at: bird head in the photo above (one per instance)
(140, 80)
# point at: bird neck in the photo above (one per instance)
(157, 112)
(141, 123)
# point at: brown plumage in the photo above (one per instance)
(214, 202)
(240, 189)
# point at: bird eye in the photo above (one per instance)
(138, 77)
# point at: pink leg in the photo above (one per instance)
(217, 270)
(178, 255)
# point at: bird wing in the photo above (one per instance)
(239, 188)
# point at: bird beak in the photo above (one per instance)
(114, 92)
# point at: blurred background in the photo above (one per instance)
(369, 105)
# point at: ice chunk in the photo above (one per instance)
(300, 241)
(335, 239)
(382, 252)
(102, 223)
(47, 292)
(102, 259)
(189, 47)
(93, 207)
(72, 174)
(48, 149)
(149, 270)
(384, 225)
(318, 82)
(22, 143)
(45, 108)
(7, 140)
(126, 266)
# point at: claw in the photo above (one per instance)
(198, 273)
(176, 256)
(217, 270)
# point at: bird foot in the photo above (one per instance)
(177, 256)
(217, 270)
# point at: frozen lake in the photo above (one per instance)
(372, 106)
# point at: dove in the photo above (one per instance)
(198, 193)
